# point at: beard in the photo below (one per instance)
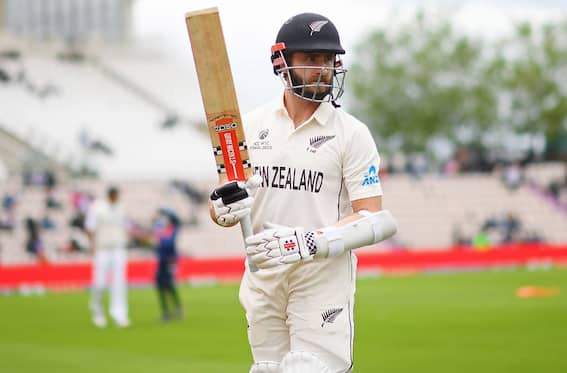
(318, 92)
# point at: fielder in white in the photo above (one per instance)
(107, 227)
(315, 197)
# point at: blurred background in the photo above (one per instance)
(467, 102)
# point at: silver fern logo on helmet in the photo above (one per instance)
(317, 26)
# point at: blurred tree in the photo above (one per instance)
(533, 65)
(423, 81)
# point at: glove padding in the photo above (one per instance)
(278, 245)
(234, 200)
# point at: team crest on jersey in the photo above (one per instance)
(315, 142)
(371, 176)
(330, 316)
(262, 143)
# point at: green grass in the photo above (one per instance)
(429, 323)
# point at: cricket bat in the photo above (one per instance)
(219, 100)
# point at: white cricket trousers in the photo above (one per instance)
(110, 263)
(302, 307)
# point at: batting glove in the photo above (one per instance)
(279, 245)
(234, 200)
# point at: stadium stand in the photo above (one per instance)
(122, 99)
(93, 103)
(427, 211)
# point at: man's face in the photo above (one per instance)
(318, 69)
(113, 196)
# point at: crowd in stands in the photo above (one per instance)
(558, 189)
(462, 162)
(63, 211)
(498, 229)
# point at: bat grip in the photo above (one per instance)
(246, 227)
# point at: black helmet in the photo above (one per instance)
(310, 32)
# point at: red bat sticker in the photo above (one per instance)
(230, 148)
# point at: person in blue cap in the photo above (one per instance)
(165, 231)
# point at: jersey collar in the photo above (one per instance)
(321, 115)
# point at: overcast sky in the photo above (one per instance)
(250, 27)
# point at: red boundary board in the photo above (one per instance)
(141, 272)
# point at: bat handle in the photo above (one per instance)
(246, 226)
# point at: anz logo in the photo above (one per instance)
(371, 177)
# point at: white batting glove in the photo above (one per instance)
(279, 245)
(234, 200)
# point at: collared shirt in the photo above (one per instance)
(310, 174)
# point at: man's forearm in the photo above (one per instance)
(359, 229)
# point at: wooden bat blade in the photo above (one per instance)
(219, 100)
(218, 94)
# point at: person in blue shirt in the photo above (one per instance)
(165, 233)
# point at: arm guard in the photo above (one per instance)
(372, 228)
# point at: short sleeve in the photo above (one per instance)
(361, 163)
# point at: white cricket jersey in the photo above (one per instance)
(312, 173)
(109, 224)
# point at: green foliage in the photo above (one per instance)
(423, 81)
(535, 78)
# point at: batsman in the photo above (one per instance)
(314, 198)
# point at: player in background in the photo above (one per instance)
(165, 234)
(107, 228)
(319, 198)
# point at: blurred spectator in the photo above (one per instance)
(80, 202)
(78, 241)
(506, 228)
(558, 189)
(47, 223)
(50, 183)
(513, 176)
(417, 165)
(52, 203)
(8, 219)
(4, 76)
(34, 244)
(481, 241)
(498, 229)
(50, 180)
(451, 167)
(459, 239)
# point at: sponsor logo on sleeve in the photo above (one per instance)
(371, 177)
